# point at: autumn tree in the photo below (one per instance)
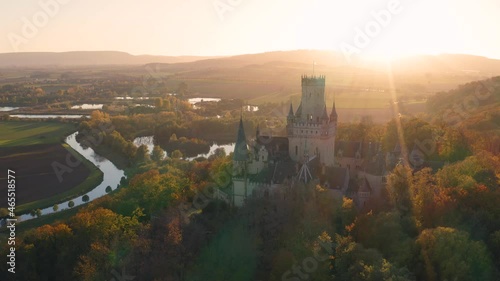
(398, 187)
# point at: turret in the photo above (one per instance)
(298, 114)
(324, 117)
(290, 116)
(240, 156)
(333, 115)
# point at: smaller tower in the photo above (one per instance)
(240, 156)
(240, 167)
(324, 117)
(289, 121)
(333, 115)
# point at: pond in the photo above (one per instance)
(7, 108)
(147, 141)
(228, 148)
(131, 98)
(88, 106)
(112, 177)
(197, 100)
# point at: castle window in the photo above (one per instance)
(296, 150)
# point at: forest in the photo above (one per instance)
(164, 222)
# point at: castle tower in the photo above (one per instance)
(240, 167)
(310, 130)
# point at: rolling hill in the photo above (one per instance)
(85, 58)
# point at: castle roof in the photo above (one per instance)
(377, 167)
(276, 173)
(241, 147)
(325, 115)
(349, 148)
(365, 186)
(333, 115)
(299, 110)
(335, 177)
(276, 146)
(290, 113)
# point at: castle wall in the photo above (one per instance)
(376, 183)
(323, 148)
(350, 163)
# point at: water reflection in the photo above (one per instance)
(7, 108)
(149, 142)
(87, 106)
(47, 116)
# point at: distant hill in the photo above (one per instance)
(456, 63)
(475, 105)
(85, 58)
(277, 74)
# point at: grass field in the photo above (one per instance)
(31, 148)
(29, 133)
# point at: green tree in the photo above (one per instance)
(353, 262)
(159, 103)
(449, 254)
(455, 146)
(173, 137)
(176, 154)
(182, 89)
(55, 207)
(142, 154)
(158, 154)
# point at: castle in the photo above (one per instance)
(267, 165)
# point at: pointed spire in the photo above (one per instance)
(290, 112)
(299, 111)
(333, 115)
(241, 148)
(325, 115)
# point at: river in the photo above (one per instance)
(112, 177)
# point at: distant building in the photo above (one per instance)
(267, 165)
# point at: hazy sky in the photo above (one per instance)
(194, 27)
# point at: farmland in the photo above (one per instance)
(30, 149)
